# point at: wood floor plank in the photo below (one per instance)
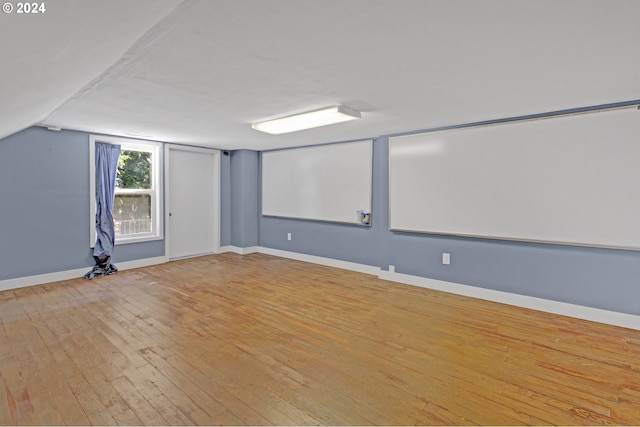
(128, 418)
(138, 404)
(161, 403)
(9, 412)
(60, 391)
(172, 377)
(259, 340)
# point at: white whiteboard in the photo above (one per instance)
(572, 179)
(325, 183)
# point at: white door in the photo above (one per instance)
(192, 202)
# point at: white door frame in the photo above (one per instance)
(167, 193)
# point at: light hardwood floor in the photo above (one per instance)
(256, 339)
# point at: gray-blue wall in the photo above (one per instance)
(225, 199)
(44, 205)
(593, 277)
(244, 178)
(44, 228)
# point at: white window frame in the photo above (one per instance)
(156, 192)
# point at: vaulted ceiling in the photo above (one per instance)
(201, 71)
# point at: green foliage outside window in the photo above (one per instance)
(134, 170)
(132, 212)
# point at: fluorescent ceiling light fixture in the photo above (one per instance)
(312, 119)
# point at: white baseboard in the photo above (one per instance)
(39, 279)
(128, 265)
(549, 306)
(352, 266)
(238, 250)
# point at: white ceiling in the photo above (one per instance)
(201, 71)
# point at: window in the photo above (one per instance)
(137, 205)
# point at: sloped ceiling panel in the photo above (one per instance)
(209, 68)
(48, 57)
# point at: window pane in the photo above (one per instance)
(134, 170)
(132, 214)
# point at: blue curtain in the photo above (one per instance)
(106, 166)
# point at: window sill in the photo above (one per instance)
(127, 240)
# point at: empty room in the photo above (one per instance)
(341, 212)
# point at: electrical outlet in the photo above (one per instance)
(446, 258)
(288, 236)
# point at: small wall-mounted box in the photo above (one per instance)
(446, 258)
